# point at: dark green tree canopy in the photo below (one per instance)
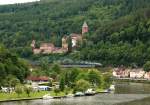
(119, 30)
(12, 68)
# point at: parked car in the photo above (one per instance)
(79, 94)
(90, 92)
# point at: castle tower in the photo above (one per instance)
(64, 43)
(85, 28)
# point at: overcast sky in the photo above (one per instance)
(15, 1)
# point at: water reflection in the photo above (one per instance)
(145, 101)
(102, 99)
(132, 88)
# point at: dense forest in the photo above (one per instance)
(119, 30)
(13, 70)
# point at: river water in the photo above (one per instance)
(125, 94)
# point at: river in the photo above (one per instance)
(125, 94)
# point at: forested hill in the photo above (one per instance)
(119, 29)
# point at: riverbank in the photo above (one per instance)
(8, 97)
(132, 80)
(4, 97)
(124, 92)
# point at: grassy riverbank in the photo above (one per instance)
(14, 96)
(33, 95)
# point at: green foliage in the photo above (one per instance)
(44, 63)
(82, 85)
(56, 90)
(70, 76)
(107, 80)
(11, 81)
(95, 78)
(28, 90)
(19, 89)
(62, 84)
(82, 75)
(13, 70)
(13, 95)
(56, 68)
(146, 66)
(119, 30)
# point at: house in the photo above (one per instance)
(127, 73)
(121, 72)
(147, 75)
(38, 80)
(75, 39)
(78, 37)
(115, 72)
(137, 73)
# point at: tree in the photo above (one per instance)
(28, 90)
(56, 90)
(83, 76)
(2, 71)
(74, 72)
(44, 63)
(50, 82)
(62, 84)
(56, 68)
(82, 85)
(53, 75)
(71, 76)
(11, 81)
(19, 90)
(146, 66)
(13, 70)
(95, 77)
(107, 81)
(110, 21)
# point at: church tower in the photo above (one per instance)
(85, 28)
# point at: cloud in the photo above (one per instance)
(15, 1)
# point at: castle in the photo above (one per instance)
(49, 48)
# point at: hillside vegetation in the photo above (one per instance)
(13, 70)
(119, 29)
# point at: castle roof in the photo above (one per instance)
(85, 24)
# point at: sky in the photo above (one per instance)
(2, 2)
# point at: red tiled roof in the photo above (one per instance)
(41, 78)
